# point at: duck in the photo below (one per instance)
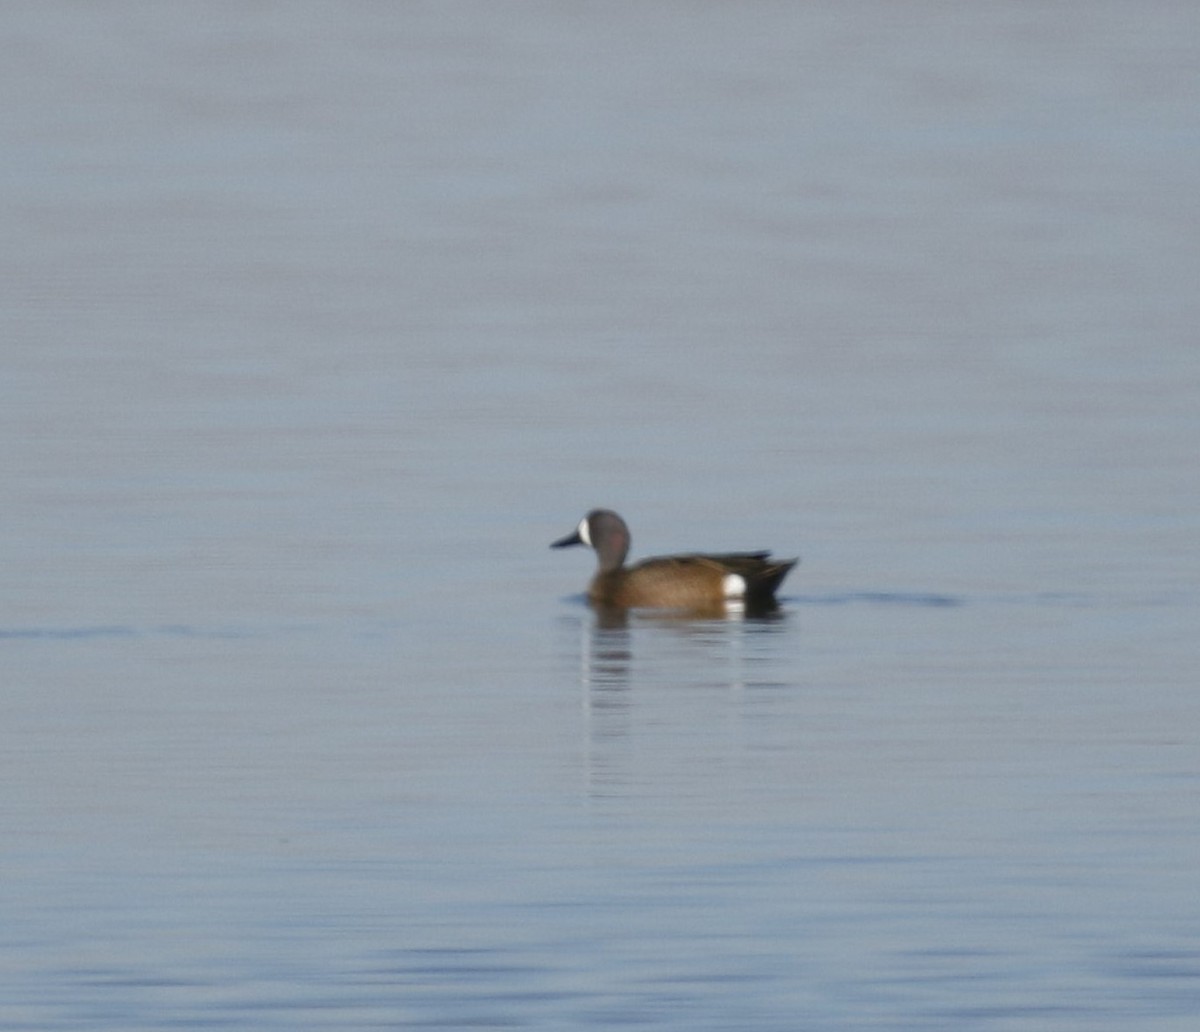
(693, 581)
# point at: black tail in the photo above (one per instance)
(765, 581)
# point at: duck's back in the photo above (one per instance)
(692, 581)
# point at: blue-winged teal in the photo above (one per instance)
(673, 581)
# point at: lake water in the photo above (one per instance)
(320, 322)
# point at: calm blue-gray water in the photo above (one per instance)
(320, 322)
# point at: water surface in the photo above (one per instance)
(320, 325)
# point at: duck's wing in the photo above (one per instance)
(762, 573)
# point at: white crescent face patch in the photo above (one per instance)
(583, 532)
